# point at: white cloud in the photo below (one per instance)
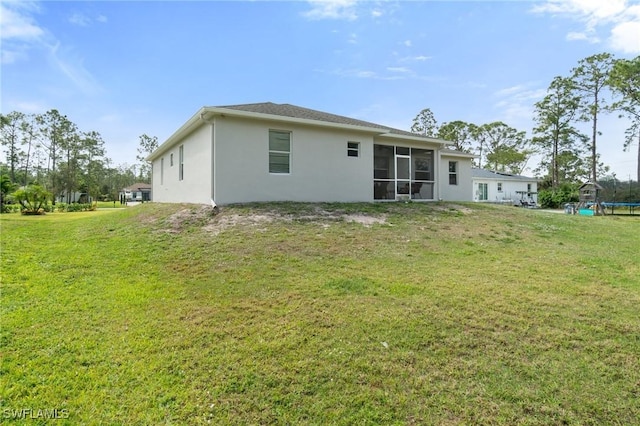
(15, 25)
(31, 107)
(10, 56)
(593, 11)
(80, 19)
(516, 102)
(573, 36)
(417, 58)
(21, 33)
(84, 21)
(617, 17)
(73, 69)
(332, 9)
(407, 43)
(368, 74)
(625, 37)
(18, 31)
(376, 13)
(399, 69)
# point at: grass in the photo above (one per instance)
(294, 314)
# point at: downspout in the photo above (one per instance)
(438, 165)
(211, 122)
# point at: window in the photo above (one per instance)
(171, 160)
(453, 172)
(181, 163)
(499, 186)
(528, 187)
(353, 149)
(162, 171)
(279, 152)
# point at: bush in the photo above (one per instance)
(32, 198)
(76, 207)
(549, 199)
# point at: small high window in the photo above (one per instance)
(499, 186)
(171, 160)
(353, 149)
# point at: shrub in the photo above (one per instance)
(553, 199)
(32, 198)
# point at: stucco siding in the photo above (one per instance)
(509, 192)
(320, 169)
(462, 190)
(195, 187)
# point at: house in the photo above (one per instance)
(74, 197)
(499, 187)
(137, 192)
(281, 152)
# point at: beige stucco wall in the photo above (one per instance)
(461, 191)
(196, 185)
(321, 170)
(320, 167)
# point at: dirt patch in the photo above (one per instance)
(189, 217)
(324, 218)
(453, 207)
(226, 221)
(364, 219)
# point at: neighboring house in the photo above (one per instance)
(74, 197)
(282, 152)
(137, 192)
(498, 187)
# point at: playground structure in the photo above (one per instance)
(591, 205)
(589, 200)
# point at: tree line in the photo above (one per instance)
(50, 151)
(597, 85)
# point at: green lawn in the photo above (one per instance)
(295, 314)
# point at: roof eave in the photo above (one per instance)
(458, 154)
(417, 138)
(188, 127)
(222, 112)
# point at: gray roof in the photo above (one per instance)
(488, 174)
(289, 111)
(293, 111)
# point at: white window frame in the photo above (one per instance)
(483, 191)
(353, 149)
(279, 152)
(162, 171)
(499, 186)
(454, 173)
(181, 163)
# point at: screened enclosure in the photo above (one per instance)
(403, 172)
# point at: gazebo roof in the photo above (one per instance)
(590, 184)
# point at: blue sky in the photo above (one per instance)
(127, 68)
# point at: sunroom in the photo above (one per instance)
(403, 173)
